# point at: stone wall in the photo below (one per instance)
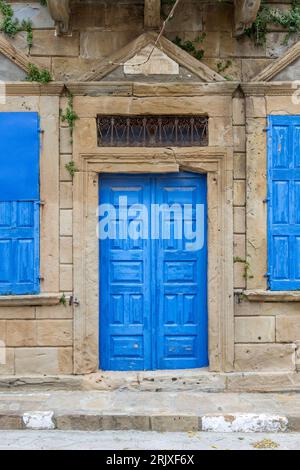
(266, 332)
(40, 338)
(267, 335)
(100, 28)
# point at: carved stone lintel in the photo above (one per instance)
(60, 12)
(245, 14)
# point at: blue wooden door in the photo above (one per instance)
(153, 287)
(284, 203)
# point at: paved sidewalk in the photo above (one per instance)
(135, 440)
(160, 411)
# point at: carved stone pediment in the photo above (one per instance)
(60, 12)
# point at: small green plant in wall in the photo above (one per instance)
(247, 268)
(63, 300)
(69, 115)
(35, 74)
(222, 66)
(71, 168)
(191, 46)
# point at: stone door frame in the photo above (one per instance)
(217, 164)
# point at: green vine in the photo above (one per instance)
(190, 46)
(11, 26)
(70, 116)
(290, 20)
(35, 74)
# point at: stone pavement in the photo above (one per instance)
(150, 411)
(136, 440)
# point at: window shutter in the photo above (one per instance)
(284, 202)
(19, 203)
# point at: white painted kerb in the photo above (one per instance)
(245, 423)
(39, 420)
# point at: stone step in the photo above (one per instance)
(150, 411)
(159, 381)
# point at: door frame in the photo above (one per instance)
(217, 163)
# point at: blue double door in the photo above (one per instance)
(153, 272)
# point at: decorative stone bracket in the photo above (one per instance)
(152, 14)
(60, 12)
(245, 14)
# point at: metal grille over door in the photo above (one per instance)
(152, 131)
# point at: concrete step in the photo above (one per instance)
(162, 411)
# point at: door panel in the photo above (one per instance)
(153, 290)
(124, 284)
(181, 281)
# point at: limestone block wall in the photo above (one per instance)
(266, 332)
(100, 28)
(267, 336)
(39, 337)
(38, 340)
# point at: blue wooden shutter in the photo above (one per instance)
(284, 202)
(19, 203)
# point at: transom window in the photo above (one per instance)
(152, 131)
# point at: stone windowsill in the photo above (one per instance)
(272, 296)
(30, 300)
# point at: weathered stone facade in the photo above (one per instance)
(250, 328)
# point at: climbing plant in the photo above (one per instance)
(288, 19)
(11, 26)
(69, 115)
(190, 46)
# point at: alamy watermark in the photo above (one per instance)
(158, 221)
